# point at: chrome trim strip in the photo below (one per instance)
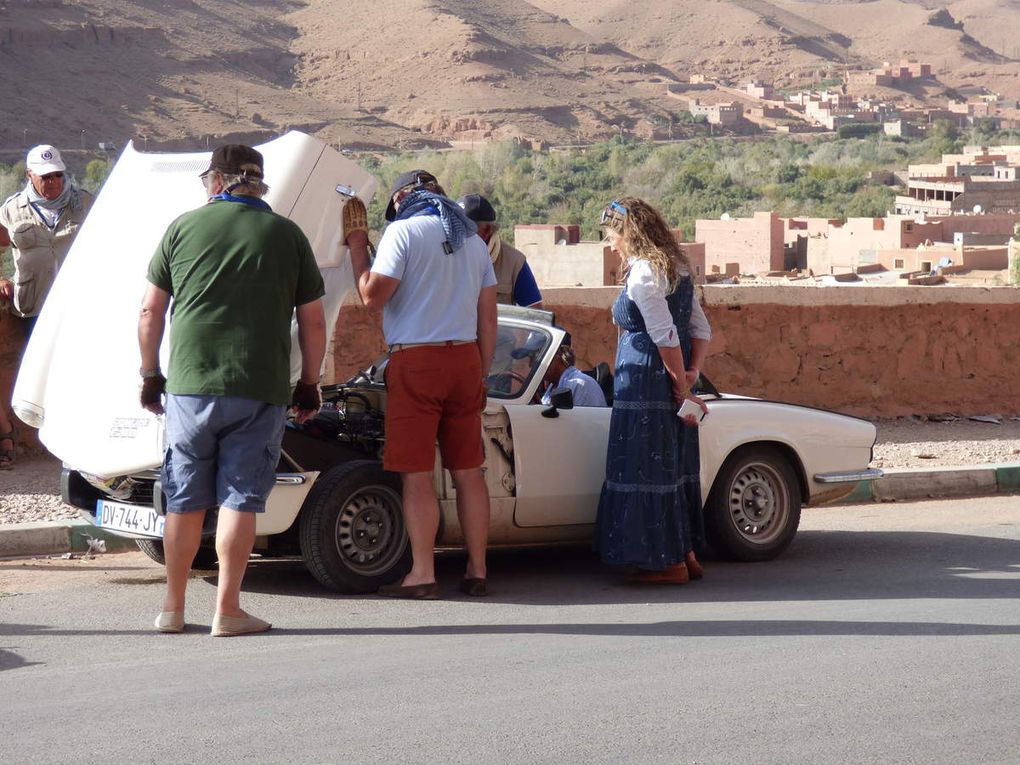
(869, 474)
(290, 479)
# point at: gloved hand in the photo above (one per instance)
(354, 218)
(151, 396)
(306, 400)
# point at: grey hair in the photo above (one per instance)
(240, 184)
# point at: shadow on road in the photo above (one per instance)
(820, 565)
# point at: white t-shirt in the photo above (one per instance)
(646, 288)
(437, 298)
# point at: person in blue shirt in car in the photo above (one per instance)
(515, 283)
(563, 374)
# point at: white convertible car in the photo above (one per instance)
(339, 510)
(333, 504)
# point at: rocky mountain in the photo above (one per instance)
(389, 73)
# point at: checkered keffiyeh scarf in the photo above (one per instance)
(456, 224)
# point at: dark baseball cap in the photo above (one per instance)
(535, 344)
(477, 208)
(236, 159)
(410, 178)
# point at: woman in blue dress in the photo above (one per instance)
(649, 514)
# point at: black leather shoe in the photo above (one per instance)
(474, 587)
(428, 591)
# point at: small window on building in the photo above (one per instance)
(897, 263)
(697, 270)
(910, 227)
(925, 265)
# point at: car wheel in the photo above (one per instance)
(753, 510)
(352, 529)
(205, 558)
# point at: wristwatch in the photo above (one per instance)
(149, 372)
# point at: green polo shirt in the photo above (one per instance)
(236, 272)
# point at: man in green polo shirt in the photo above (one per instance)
(236, 272)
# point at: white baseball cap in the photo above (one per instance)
(44, 159)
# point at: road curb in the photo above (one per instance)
(903, 484)
(897, 485)
(56, 537)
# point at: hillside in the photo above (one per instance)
(423, 72)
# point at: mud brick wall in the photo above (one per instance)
(875, 352)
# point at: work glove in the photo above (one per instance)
(306, 400)
(151, 396)
(354, 217)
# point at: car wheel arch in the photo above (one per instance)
(786, 450)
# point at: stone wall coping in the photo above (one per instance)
(801, 295)
(808, 295)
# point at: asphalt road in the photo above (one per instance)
(887, 633)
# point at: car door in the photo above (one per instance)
(559, 462)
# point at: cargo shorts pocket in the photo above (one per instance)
(167, 477)
(266, 477)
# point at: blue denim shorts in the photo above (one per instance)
(221, 451)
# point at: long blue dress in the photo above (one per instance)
(649, 513)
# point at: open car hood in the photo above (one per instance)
(78, 381)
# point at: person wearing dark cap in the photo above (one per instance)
(237, 272)
(516, 283)
(433, 280)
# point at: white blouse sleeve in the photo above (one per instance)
(698, 326)
(649, 293)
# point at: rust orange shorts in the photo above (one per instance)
(434, 393)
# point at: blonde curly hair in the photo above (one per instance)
(645, 234)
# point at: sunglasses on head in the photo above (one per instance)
(614, 211)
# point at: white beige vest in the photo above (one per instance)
(38, 250)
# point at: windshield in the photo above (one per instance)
(518, 354)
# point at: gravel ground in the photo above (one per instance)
(30, 491)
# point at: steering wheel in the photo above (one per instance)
(494, 379)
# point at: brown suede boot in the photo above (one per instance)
(677, 574)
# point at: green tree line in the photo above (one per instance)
(701, 178)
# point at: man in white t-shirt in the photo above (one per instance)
(433, 280)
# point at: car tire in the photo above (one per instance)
(753, 510)
(205, 558)
(352, 532)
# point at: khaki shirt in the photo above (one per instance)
(38, 250)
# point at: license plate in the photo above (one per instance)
(133, 518)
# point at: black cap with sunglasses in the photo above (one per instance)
(410, 179)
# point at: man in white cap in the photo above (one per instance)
(40, 222)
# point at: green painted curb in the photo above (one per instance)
(1007, 478)
(862, 493)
